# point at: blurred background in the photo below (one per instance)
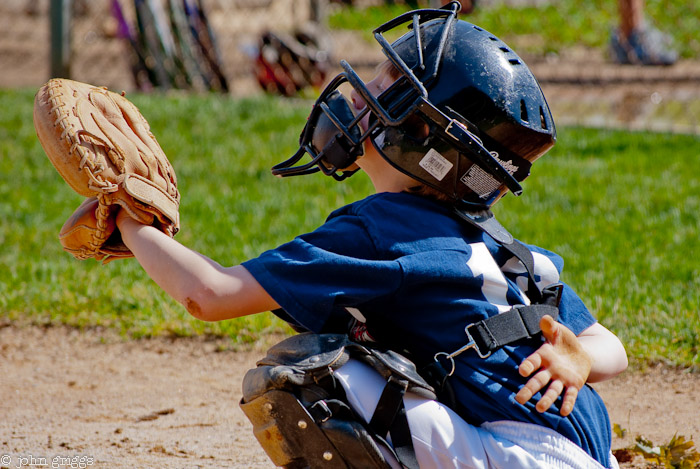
(290, 47)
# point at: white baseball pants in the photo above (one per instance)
(442, 439)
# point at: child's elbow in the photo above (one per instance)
(623, 361)
(218, 297)
(618, 361)
(200, 303)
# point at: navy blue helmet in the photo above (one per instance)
(486, 113)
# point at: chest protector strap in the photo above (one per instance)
(521, 322)
(300, 413)
(490, 334)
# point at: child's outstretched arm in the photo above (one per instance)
(208, 290)
(566, 362)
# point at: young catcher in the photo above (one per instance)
(451, 122)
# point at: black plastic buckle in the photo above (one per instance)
(551, 294)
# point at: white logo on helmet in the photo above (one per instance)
(481, 182)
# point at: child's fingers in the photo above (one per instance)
(530, 364)
(550, 396)
(569, 400)
(533, 386)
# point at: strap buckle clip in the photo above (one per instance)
(472, 343)
(320, 411)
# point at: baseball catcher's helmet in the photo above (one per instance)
(487, 116)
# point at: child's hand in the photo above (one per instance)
(124, 218)
(121, 216)
(562, 362)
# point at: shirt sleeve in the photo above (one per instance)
(573, 312)
(316, 275)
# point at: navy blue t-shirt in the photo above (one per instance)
(419, 276)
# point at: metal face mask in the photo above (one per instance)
(332, 136)
(482, 116)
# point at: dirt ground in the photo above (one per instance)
(94, 399)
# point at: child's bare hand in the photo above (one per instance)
(124, 217)
(560, 362)
(121, 216)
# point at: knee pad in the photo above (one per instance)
(294, 436)
(299, 411)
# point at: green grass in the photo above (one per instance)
(231, 209)
(551, 28)
(623, 209)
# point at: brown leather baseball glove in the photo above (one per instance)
(103, 148)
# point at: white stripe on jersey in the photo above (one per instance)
(495, 286)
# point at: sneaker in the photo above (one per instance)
(645, 46)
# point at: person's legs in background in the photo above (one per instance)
(635, 41)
